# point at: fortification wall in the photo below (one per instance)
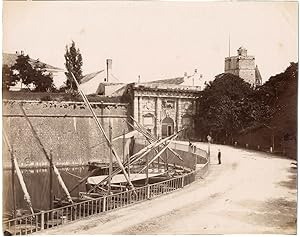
(65, 128)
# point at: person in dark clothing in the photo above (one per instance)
(219, 156)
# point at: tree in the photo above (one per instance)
(30, 72)
(23, 70)
(43, 80)
(7, 77)
(74, 64)
(228, 106)
(223, 107)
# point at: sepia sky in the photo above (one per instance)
(154, 39)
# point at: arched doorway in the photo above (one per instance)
(167, 128)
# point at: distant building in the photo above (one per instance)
(102, 82)
(58, 74)
(164, 106)
(243, 65)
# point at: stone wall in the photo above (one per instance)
(242, 66)
(65, 128)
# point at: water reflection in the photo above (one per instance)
(38, 186)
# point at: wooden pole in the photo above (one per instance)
(137, 156)
(81, 181)
(124, 146)
(99, 126)
(147, 171)
(110, 159)
(158, 165)
(13, 182)
(151, 138)
(19, 175)
(23, 185)
(161, 151)
(128, 166)
(40, 145)
(167, 166)
(51, 182)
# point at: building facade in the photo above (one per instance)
(165, 108)
(243, 65)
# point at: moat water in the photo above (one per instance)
(38, 186)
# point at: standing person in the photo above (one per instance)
(219, 156)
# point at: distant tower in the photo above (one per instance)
(243, 66)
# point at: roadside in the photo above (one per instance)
(251, 192)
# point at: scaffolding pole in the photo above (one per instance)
(99, 126)
(60, 180)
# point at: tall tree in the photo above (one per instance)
(23, 70)
(223, 107)
(73, 63)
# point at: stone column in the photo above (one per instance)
(135, 108)
(158, 117)
(155, 117)
(179, 118)
(140, 110)
(193, 119)
(177, 115)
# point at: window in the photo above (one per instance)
(148, 120)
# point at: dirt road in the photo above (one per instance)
(251, 192)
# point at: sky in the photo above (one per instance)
(154, 39)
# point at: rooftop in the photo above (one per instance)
(9, 59)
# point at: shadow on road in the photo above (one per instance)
(291, 183)
(279, 214)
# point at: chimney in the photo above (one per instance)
(139, 78)
(185, 75)
(108, 69)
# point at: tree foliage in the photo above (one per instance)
(29, 73)
(7, 77)
(43, 80)
(228, 105)
(23, 70)
(73, 63)
(224, 107)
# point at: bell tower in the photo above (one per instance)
(241, 65)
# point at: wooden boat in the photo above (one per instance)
(119, 178)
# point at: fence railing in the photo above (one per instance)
(56, 217)
(59, 216)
